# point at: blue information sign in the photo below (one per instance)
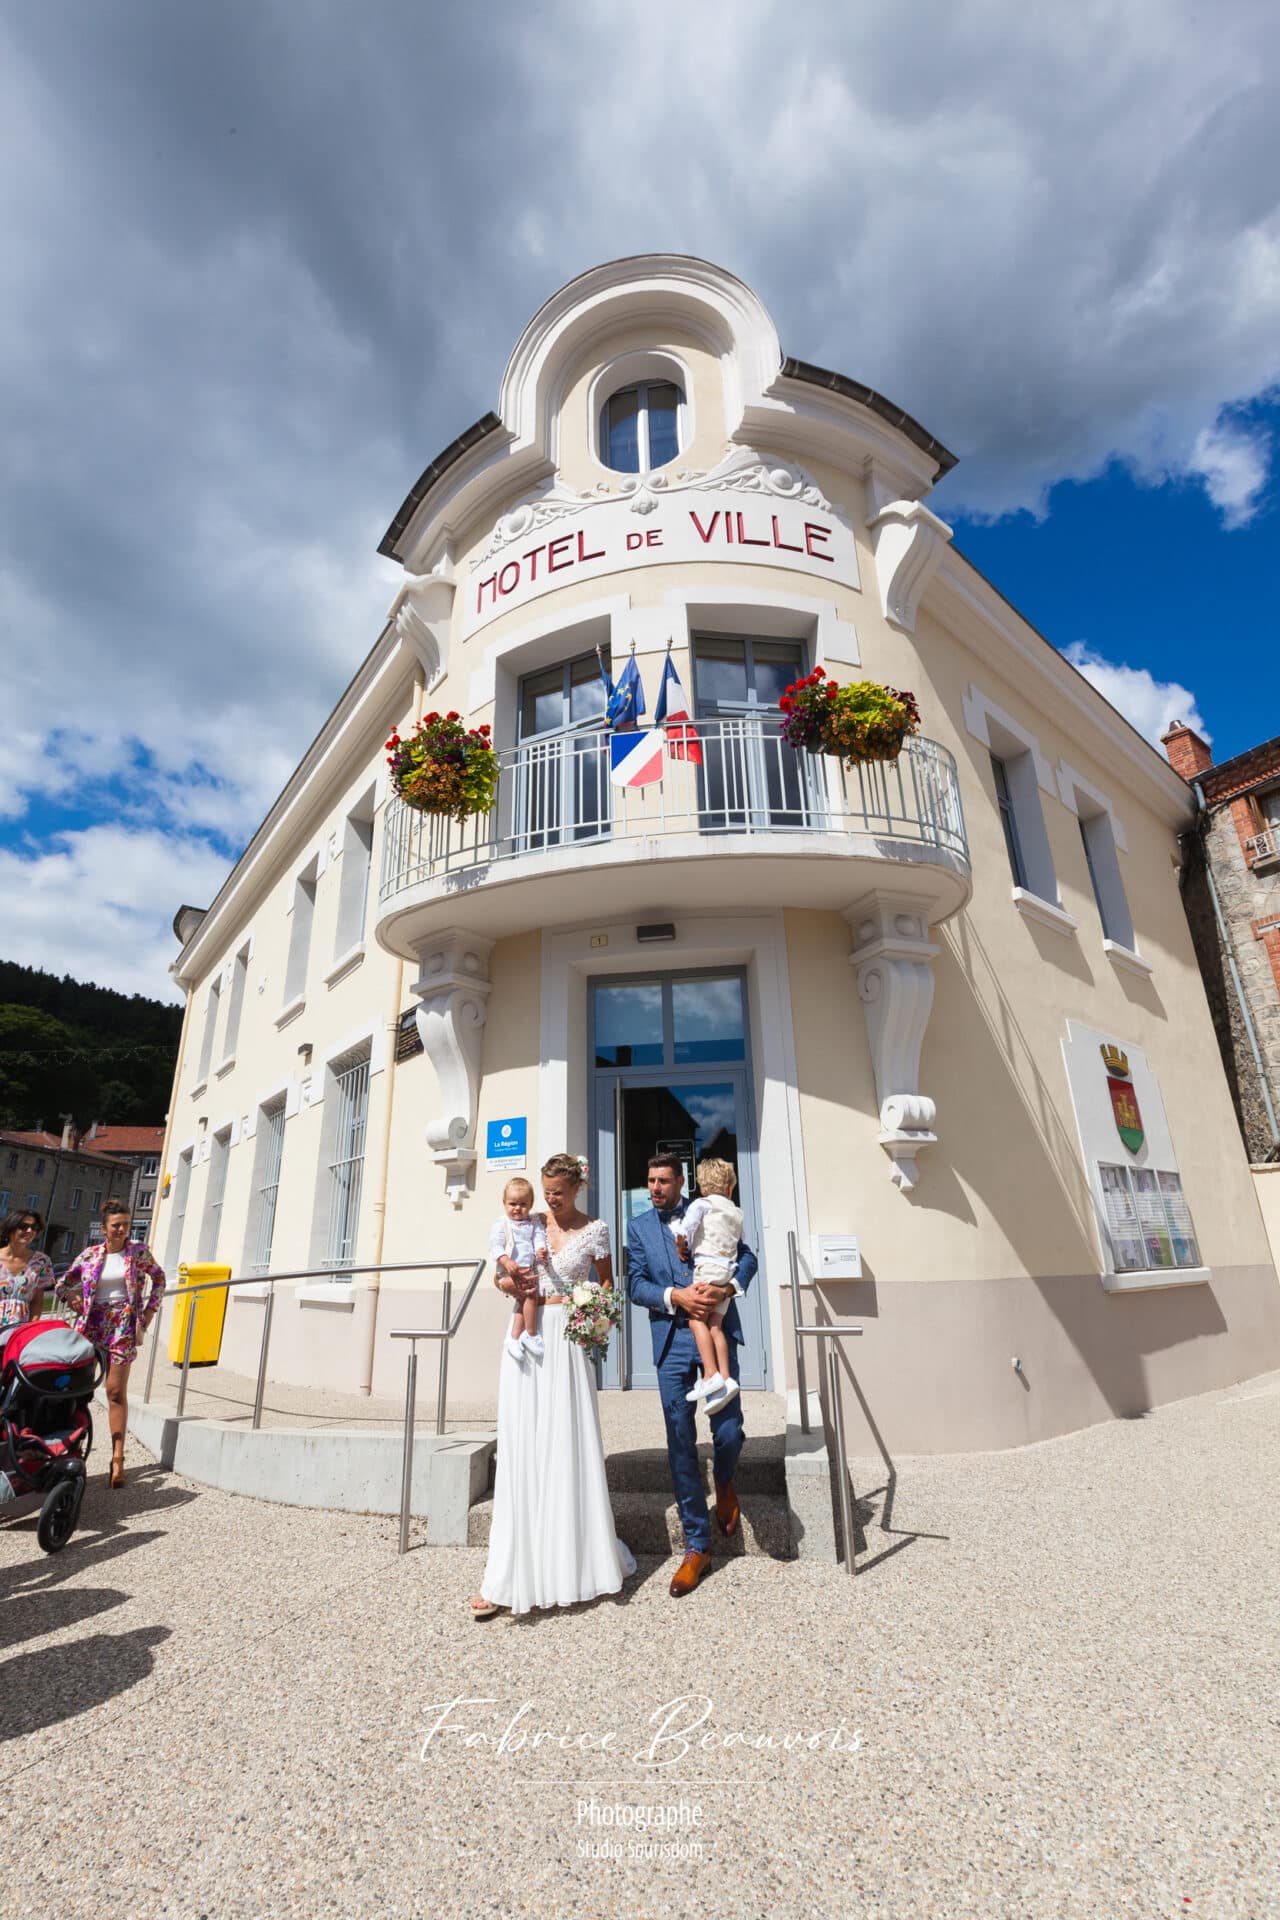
(506, 1145)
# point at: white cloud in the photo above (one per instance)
(1148, 704)
(1233, 463)
(99, 904)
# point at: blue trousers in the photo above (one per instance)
(677, 1373)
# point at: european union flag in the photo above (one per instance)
(626, 698)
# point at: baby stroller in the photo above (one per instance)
(47, 1377)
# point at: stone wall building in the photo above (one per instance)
(1231, 889)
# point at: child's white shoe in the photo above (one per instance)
(722, 1397)
(514, 1348)
(705, 1387)
(533, 1343)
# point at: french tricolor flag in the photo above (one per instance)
(635, 758)
(672, 712)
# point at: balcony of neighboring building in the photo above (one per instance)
(751, 822)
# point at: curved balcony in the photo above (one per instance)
(754, 823)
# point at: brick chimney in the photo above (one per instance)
(1188, 754)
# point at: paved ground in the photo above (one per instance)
(1052, 1689)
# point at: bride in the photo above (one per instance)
(552, 1541)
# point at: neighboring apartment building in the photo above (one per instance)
(944, 1014)
(143, 1148)
(65, 1180)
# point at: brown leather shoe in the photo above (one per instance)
(689, 1572)
(728, 1512)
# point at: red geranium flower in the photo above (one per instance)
(452, 716)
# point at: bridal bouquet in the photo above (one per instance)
(592, 1312)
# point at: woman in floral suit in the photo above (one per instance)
(115, 1289)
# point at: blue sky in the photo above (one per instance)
(263, 262)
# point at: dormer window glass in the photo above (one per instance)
(640, 426)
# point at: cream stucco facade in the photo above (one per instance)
(923, 997)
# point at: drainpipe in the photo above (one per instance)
(367, 1297)
(1202, 820)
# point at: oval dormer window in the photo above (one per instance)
(640, 426)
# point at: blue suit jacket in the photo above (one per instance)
(653, 1265)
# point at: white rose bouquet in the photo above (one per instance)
(592, 1311)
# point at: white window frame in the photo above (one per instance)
(264, 1205)
(239, 982)
(354, 878)
(151, 1167)
(1028, 774)
(342, 1161)
(302, 913)
(215, 1195)
(181, 1195)
(1103, 839)
(6, 1201)
(77, 1199)
(206, 1039)
(640, 370)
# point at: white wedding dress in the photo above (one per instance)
(552, 1540)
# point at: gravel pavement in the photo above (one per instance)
(1052, 1690)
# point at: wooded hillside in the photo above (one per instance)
(67, 1047)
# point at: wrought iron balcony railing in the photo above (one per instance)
(555, 796)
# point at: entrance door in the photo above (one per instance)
(660, 1087)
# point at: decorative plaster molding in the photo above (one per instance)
(420, 616)
(908, 542)
(454, 986)
(741, 471)
(892, 960)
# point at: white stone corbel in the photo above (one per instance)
(421, 613)
(892, 960)
(453, 988)
(908, 542)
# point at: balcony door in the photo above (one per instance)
(750, 777)
(562, 779)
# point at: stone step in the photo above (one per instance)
(761, 1467)
(650, 1524)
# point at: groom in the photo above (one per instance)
(659, 1277)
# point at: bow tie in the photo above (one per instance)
(667, 1214)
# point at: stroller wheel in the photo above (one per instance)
(59, 1514)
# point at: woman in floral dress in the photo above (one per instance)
(24, 1273)
(115, 1288)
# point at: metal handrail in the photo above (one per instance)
(270, 1281)
(556, 795)
(444, 1334)
(833, 1433)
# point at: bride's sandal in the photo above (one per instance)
(485, 1610)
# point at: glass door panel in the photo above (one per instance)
(750, 777)
(693, 1116)
(561, 785)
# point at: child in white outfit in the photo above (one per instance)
(712, 1227)
(523, 1240)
